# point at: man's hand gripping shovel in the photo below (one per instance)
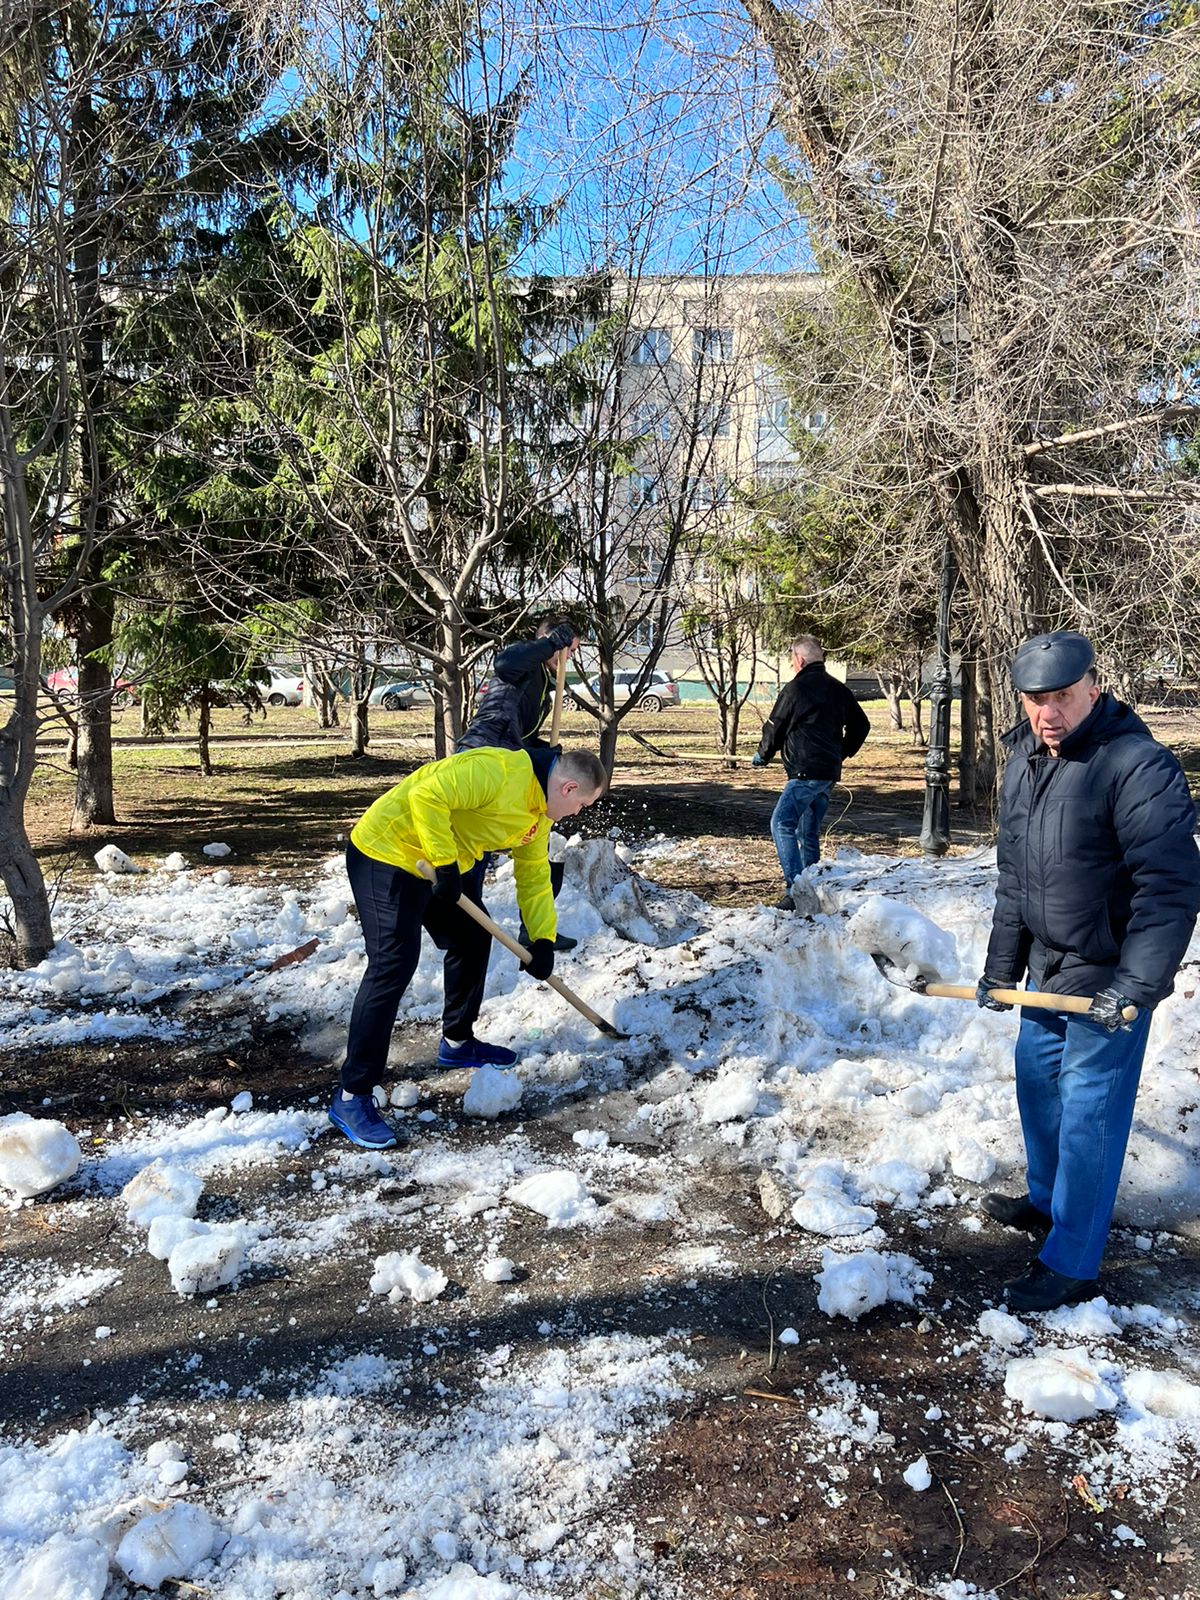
(900, 941)
(497, 932)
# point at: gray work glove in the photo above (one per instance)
(756, 760)
(1106, 1009)
(984, 1000)
(562, 637)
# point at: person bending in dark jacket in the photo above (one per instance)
(1097, 894)
(818, 724)
(517, 701)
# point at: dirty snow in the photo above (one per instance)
(762, 1043)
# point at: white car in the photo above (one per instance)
(660, 690)
(284, 689)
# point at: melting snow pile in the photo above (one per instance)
(36, 1154)
(764, 1047)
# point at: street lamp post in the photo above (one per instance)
(935, 820)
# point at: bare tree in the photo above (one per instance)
(1007, 194)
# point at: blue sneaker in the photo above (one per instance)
(358, 1118)
(474, 1053)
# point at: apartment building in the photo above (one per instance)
(697, 395)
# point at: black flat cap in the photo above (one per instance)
(1051, 661)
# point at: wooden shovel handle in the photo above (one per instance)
(1078, 1003)
(477, 914)
(560, 681)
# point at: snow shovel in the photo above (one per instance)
(560, 682)
(477, 914)
(183, 999)
(919, 984)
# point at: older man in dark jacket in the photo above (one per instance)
(1098, 893)
(817, 723)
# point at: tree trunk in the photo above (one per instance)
(359, 727)
(967, 734)
(203, 729)
(608, 744)
(733, 723)
(25, 886)
(890, 685)
(918, 720)
(94, 780)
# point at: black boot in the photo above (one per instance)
(1014, 1213)
(1043, 1289)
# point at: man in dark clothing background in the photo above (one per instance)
(521, 689)
(516, 702)
(1097, 894)
(817, 724)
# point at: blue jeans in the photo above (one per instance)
(796, 824)
(1076, 1086)
(393, 907)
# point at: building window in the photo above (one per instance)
(643, 635)
(707, 490)
(713, 421)
(652, 422)
(643, 490)
(816, 421)
(644, 565)
(651, 348)
(774, 420)
(711, 344)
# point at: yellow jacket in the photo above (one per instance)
(460, 808)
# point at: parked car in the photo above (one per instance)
(660, 690)
(400, 694)
(65, 683)
(284, 689)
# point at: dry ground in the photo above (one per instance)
(728, 1494)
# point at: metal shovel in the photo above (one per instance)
(1076, 1003)
(477, 914)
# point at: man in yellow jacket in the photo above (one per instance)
(449, 813)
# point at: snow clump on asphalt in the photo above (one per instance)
(849, 1286)
(402, 1275)
(167, 1544)
(36, 1154)
(161, 1190)
(491, 1092)
(1064, 1385)
(558, 1196)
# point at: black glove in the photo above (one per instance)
(449, 882)
(562, 637)
(756, 760)
(1106, 1009)
(541, 958)
(984, 1000)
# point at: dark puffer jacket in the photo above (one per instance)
(517, 699)
(1099, 879)
(817, 723)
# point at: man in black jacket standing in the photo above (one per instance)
(515, 703)
(1097, 894)
(818, 724)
